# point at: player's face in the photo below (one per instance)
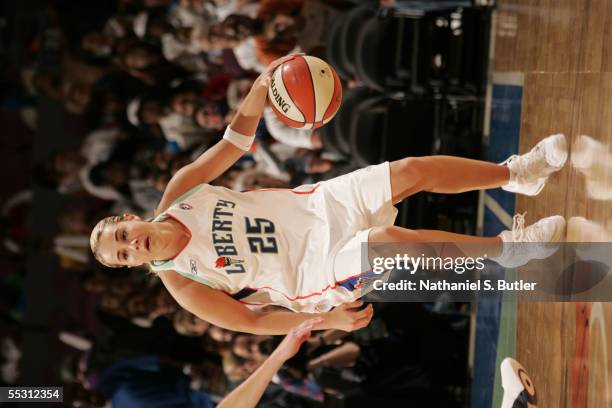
(131, 242)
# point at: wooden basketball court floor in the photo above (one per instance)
(560, 51)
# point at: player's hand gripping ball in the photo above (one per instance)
(305, 92)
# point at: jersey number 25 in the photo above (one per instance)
(260, 234)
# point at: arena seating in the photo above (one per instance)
(436, 58)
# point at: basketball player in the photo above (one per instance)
(223, 254)
(248, 394)
(519, 390)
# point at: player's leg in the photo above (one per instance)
(492, 246)
(444, 174)
(525, 174)
(537, 235)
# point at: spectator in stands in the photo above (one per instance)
(151, 382)
(258, 41)
(281, 23)
(212, 115)
(9, 361)
(138, 56)
(98, 44)
(191, 13)
(76, 96)
(66, 170)
(220, 335)
(145, 62)
(188, 324)
(154, 111)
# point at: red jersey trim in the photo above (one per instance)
(311, 294)
(286, 189)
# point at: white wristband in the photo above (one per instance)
(239, 140)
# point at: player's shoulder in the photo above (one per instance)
(166, 204)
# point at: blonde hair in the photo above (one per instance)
(94, 238)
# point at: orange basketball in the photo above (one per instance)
(305, 92)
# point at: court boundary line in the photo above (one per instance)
(501, 214)
(514, 78)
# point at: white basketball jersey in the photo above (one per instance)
(278, 246)
(262, 247)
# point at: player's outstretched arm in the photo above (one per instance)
(237, 140)
(248, 394)
(222, 310)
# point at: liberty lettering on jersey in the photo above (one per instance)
(259, 235)
(222, 237)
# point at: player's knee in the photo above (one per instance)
(417, 170)
(393, 234)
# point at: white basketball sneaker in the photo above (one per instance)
(519, 391)
(529, 171)
(531, 242)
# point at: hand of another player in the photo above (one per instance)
(346, 316)
(266, 77)
(294, 339)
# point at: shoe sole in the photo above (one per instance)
(556, 143)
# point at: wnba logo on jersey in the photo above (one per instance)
(224, 261)
(185, 206)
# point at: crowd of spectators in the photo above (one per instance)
(152, 87)
(158, 83)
